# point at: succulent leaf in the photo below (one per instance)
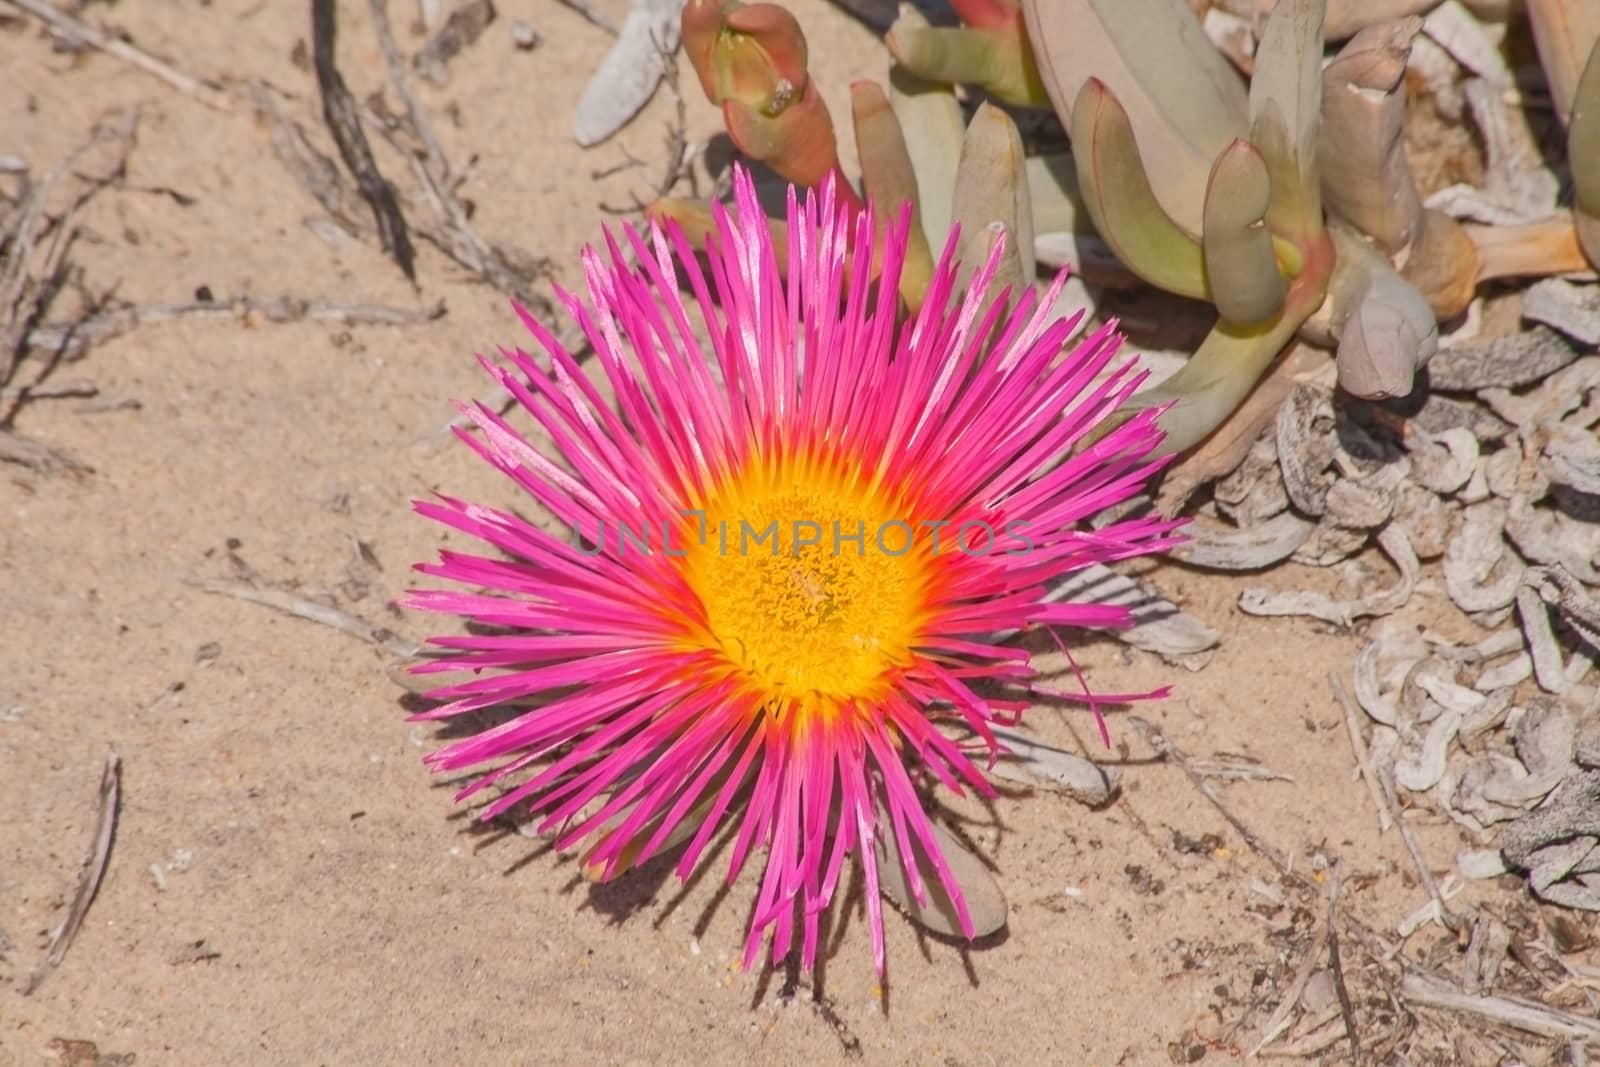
(890, 182)
(1118, 196)
(1366, 178)
(1583, 154)
(751, 60)
(1057, 200)
(997, 60)
(1565, 32)
(1241, 270)
(1285, 106)
(991, 188)
(1183, 98)
(1385, 329)
(1225, 368)
(933, 128)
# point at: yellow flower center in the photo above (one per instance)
(813, 586)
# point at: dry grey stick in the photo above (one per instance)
(311, 611)
(1279, 1021)
(71, 338)
(1559, 588)
(1339, 987)
(93, 870)
(206, 93)
(1358, 745)
(20, 289)
(21, 393)
(1446, 916)
(507, 269)
(1164, 748)
(14, 448)
(1509, 1011)
(319, 174)
(438, 168)
(340, 113)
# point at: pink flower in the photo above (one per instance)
(778, 562)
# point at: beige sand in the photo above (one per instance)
(321, 900)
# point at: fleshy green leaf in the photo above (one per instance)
(1117, 193)
(1366, 178)
(996, 60)
(1285, 103)
(890, 182)
(1583, 153)
(1185, 101)
(1240, 269)
(1057, 200)
(931, 123)
(1565, 32)
(991, 187)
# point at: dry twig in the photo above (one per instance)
(26, 289)
(69, 339)
(1525, 1015)
(93, 869)
(310, 610)
(344, 123)
(1339, 987)
(206, 93)
(1352, 724)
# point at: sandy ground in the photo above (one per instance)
(288, 884)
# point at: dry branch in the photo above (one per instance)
(69, 339)
(93, 870)
(310, 610)
(344, 123)
(207, 94)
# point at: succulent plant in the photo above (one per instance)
(1286, 202)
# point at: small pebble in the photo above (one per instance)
(524, 36)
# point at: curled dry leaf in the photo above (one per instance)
(1443, 463)
(986, 902)
(630, 72)
(1480, 573)
(1517, 187)
(1469, 42)
(1550, 670)
(1508, 362)
(1394, 542)
(1031, 763)
(1253, 492)
(1559, 844)
(1422, 768)
(1427, 519)
(1248, 548)
(1159, 626)
(1306, 446)
(1572, 309)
